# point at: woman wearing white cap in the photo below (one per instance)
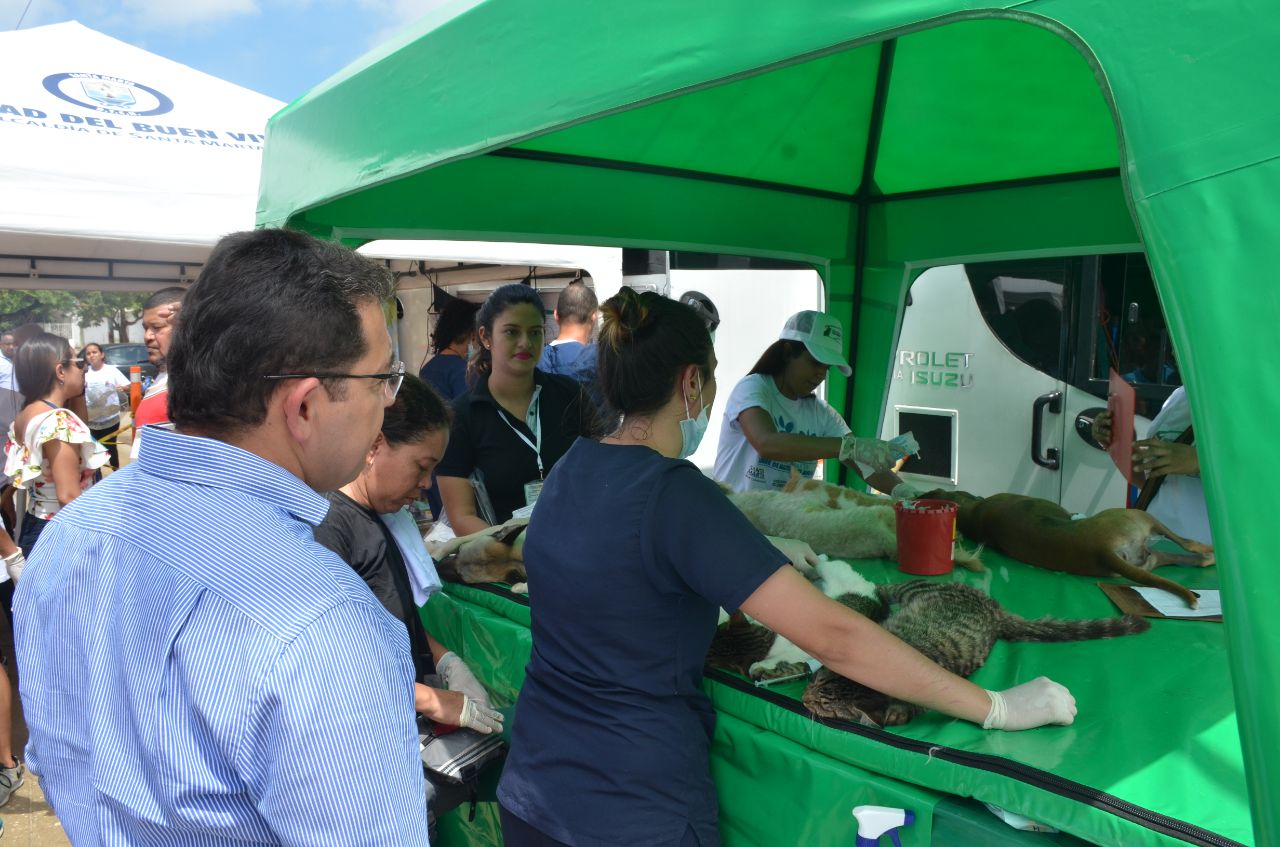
(774, 421)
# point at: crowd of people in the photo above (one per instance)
(209, 638)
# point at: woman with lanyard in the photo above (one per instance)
(774, 422)
(370, 528)
(514, 423)
(612, 730)
(52, 453)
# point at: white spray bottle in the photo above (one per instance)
(875, 821)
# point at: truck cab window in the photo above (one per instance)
(1131, 333)
(1023, 301)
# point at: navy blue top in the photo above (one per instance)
(445, 373)
(630, 555)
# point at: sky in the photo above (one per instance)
(280, 48)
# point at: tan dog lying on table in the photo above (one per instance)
(495, 554)
(1115, 542)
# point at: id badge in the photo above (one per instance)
(531, 492)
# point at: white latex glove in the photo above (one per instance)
(480, 718)
(905, 491)
(799, 553)
(1036, 703)
(876, 454)
(456, 676)
(13, 564)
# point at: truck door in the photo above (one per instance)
(977, 378)
(1001, 367)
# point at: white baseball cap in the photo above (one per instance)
(821, 335)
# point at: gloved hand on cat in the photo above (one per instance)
(1036, 703)
(799, 553)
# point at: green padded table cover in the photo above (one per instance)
(1152, 759)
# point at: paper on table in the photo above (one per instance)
(1121, 402)
(1171, 605)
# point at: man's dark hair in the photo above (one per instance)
(417, 412)
(164, 297)
(576, 304)
(457, 320)
(271, 301)
(35, 362)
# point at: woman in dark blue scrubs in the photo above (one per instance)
(631, 552)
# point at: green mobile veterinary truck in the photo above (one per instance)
(874, 139)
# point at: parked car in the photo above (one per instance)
(125, 355)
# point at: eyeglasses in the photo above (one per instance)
(79, 363)
(390, 381)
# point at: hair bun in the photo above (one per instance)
(625, 315)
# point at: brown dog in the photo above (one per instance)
(1115, 542)
(495, 554)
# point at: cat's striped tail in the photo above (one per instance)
(1014, 628)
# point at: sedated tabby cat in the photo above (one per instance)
(956, 626)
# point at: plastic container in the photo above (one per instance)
(135, 388)
(926, 536)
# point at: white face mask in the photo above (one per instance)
(471, 349)
(692, 429)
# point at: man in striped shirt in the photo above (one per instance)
(195, 668)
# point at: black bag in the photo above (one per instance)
(453, 763)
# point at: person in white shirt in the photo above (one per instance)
(1179, 503)
(774, 421)
(106, 392)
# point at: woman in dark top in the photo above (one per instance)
(451, 347)
(515, 422)
(370, 528)
(452, 344)
(630, 553)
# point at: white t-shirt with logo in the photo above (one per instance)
(102, 395)
(738, 465)
(1179, 504)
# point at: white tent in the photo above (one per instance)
(119, 169)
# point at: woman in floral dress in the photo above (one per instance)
(51, 453)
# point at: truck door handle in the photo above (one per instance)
(1048, 458)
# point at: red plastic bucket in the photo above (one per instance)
(926, 536)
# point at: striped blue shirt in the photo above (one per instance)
(196, 670)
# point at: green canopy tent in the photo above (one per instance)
(865, 138)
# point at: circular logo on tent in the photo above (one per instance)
(109, 94)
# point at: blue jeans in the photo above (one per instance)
(31, 529)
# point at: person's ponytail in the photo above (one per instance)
(645, 340)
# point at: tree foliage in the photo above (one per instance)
(120, 310)
(18, 307)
